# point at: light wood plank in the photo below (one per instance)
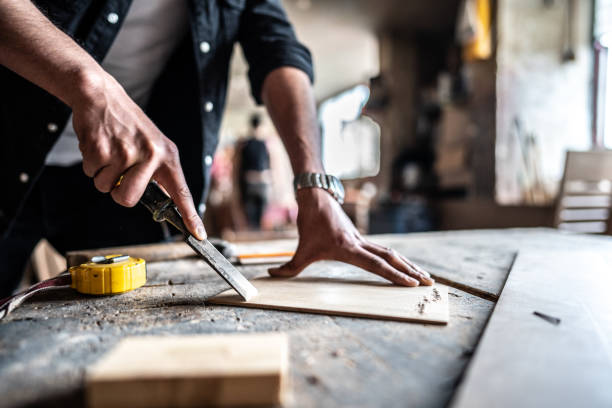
(190, 371)
(345, 297)
(526, 361)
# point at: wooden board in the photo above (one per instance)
(190, 371)
(346, 297)
(526, 361)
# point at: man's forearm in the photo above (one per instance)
(288, 96)
(34, 48)
(116, 138)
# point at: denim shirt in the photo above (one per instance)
(187, 100)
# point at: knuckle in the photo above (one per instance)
(377, 264)
(151, 151)
(194, 218)
(121, 154)
(390, 253)
(344, 240)
(100, 152)
(125, 153)
(184, 192)
(172, 152)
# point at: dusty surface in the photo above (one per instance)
(46, 344)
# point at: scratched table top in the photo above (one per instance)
(46, 344)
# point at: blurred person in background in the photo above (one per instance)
(254, 173)
(115, 90)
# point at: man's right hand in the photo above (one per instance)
(115, 136)
(119, 142)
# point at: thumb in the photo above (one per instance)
(291, 268)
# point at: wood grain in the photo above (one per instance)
(190, 371)
(345, 297)
(524, 360)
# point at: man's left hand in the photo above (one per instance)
(326, 232)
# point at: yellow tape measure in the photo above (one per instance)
(103, 275)
(110, 274)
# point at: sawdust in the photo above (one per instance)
(421, 307)
(436, 295)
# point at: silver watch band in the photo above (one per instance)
(327, 182)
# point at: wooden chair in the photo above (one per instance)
(585, 197)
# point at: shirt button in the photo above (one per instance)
(208, 106)
(24, 177)
(112, 18)
(205, 47)
(208, 160)
(52, 127)
(202, 209)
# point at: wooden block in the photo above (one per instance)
(191, 371)
(346, 297)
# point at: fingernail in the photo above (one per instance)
(201, 233)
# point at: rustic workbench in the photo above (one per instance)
(46, 344)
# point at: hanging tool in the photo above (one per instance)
(163, 209)
(103, 275)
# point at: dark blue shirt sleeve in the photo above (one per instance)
(269, 42)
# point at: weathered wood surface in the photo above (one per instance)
(334, 361)
(526, 361)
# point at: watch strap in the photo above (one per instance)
(327, 182)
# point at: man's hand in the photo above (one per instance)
(116, 137)
(123, 150)
(327, 233)
(325, 230)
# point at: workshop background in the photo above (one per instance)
(437, 115)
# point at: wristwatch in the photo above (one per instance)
(327, 182)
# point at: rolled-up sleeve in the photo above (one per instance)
(269, 42)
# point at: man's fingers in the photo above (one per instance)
(399, 262)
(375, 264)
(174, 183)
(106, 177)
(132, 184)
(95, 156)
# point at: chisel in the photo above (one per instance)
(163, 209)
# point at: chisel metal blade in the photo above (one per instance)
(222, 266)
(163, 209)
